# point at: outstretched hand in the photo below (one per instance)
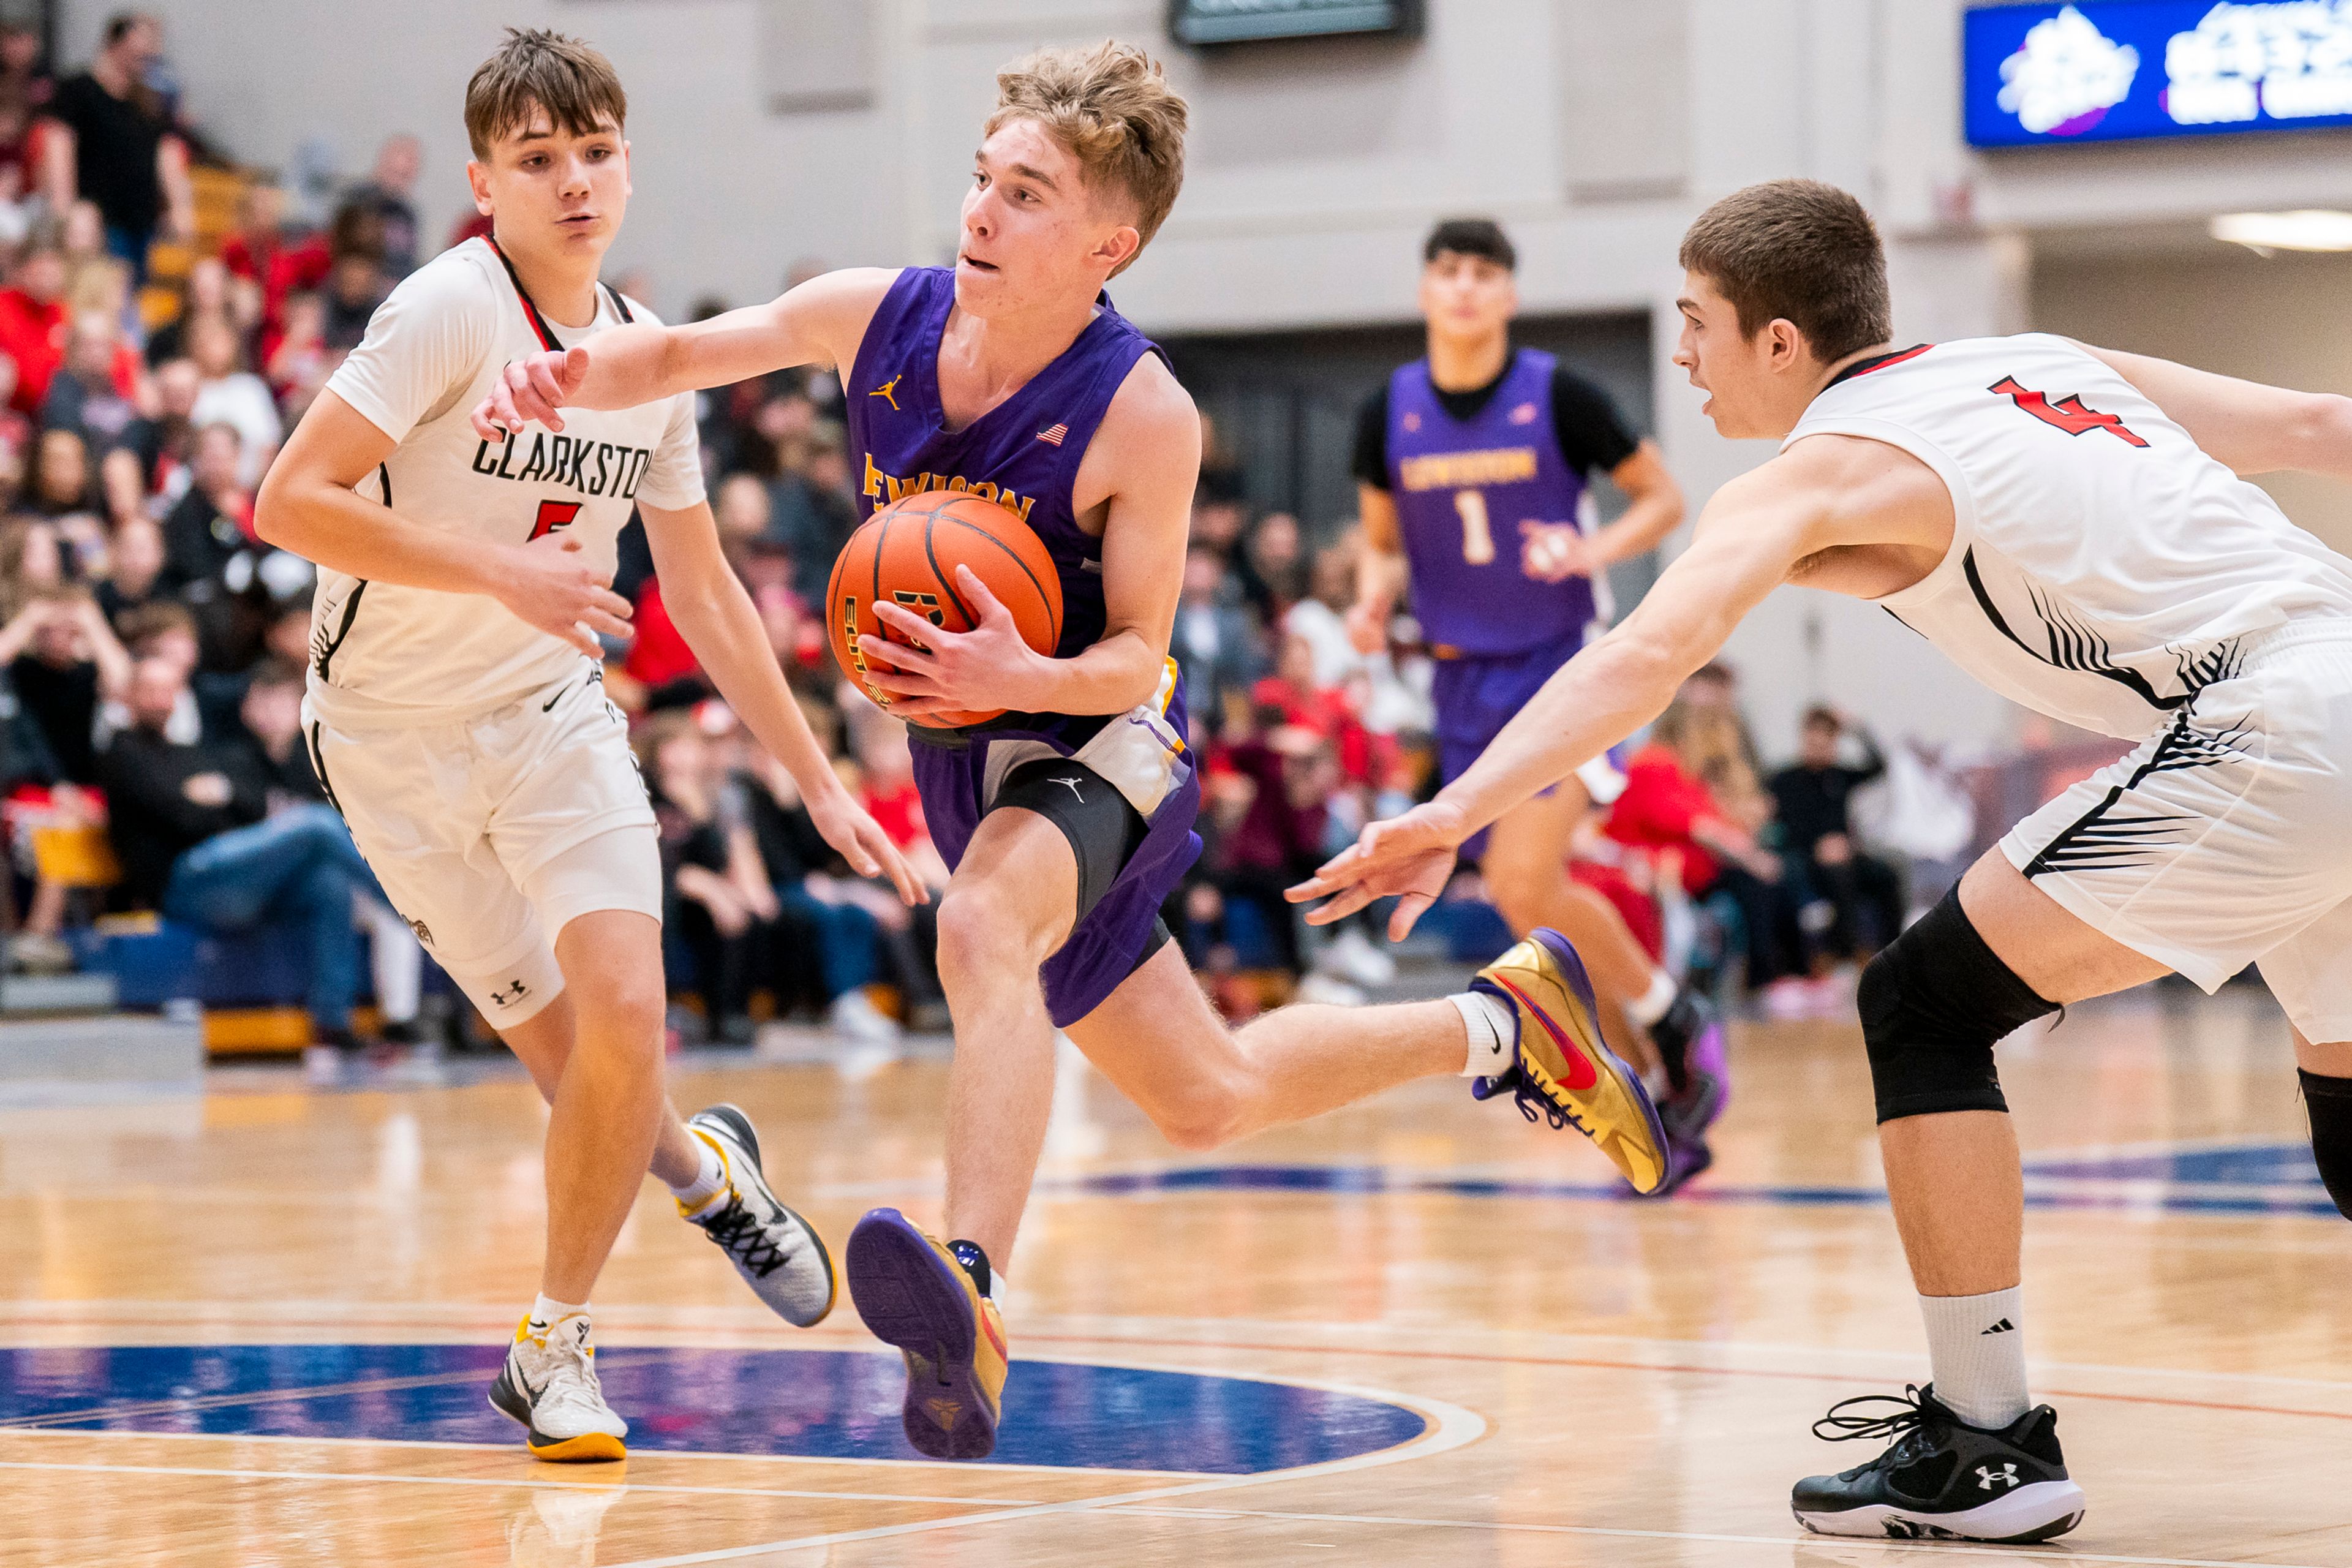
(847, 826)
(1407, 858)
(932, 670)
(530, 388)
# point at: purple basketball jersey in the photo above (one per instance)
(1023, 455)
(1462, 490)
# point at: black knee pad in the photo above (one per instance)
(1932, 1004)
(2329, 1102)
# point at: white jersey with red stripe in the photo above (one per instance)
(2102, 569)
(384, 655)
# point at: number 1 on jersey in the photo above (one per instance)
(1477, 538)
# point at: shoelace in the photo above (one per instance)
(1532, 1100)
(736, 1228)
(571, 1370)
(1909, 1417)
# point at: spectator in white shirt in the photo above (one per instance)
(228, 393)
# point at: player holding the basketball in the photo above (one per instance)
(2069, 525)
(456, 714)
(1068, 819)
(1471, 477)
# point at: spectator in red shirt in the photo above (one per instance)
(33, 322)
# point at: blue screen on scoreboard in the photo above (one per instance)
(2129, 70)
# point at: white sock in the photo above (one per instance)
(1494, 1032)
(709, 1182)
(1976, 1348)
(1650, 1005)
(545, 1313)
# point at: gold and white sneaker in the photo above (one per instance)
(548, 1384)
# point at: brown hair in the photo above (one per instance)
(144, 623)
(536, 68)
(1111, 106)
(1800, 251)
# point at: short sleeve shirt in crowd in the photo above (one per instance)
(115, 141)
(387, 654)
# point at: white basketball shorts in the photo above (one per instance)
(490, 835)
(2221, 840)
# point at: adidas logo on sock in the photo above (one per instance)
(2004, 1327)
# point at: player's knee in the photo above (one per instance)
(617, 1007)
(2330, 1102)
(983, 932)
(1933, 1003)
(1209, 1112)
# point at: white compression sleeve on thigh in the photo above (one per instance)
(1976, 1352)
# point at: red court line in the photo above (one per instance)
(1392, 1352)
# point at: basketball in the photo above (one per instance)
(907, 553)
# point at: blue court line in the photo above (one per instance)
(2089, 1183)
(814, 1403)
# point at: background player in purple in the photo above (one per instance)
(1069, 819)
(1471, 467)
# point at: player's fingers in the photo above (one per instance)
(903, 683)
(612, 604)
(547, 390)
(575, 369)
(899, 618)
(896, 655)
(986, 606)
(486, 426)
(583, 639)
(911, 891)
(502, 408)
(604, 621)
(1340, 907)
(1408, 912)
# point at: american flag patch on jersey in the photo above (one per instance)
(1053, 437)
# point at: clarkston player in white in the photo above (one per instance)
(457, 713)
(2070, 526)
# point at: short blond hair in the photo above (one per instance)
(1111, 106)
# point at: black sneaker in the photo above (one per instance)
(1943, 1479)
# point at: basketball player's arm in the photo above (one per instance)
(2247, 426)
(822, 322)
(708, 604)
(1145, 462)
(1380, 572)
(309, 504)
(1749, 541)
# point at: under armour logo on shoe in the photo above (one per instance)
(1072, 785)
(1987, 1476)
(2004, 1327)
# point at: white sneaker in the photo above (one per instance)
(549, 1383)
(853, 1014)
(1353, 957)
(778, 1253)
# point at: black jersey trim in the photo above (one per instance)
(620, 306)
(537, 322)
(319, 766)
(2092, 843)
(1875, 362)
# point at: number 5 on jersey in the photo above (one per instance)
(555, 514)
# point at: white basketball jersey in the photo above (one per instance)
(2102, 569)
(382, 654)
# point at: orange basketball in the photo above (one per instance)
(906, 553)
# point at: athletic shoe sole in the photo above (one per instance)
(739, 1127)
(2035, 1512)
(916, 1299)
(1580, 983)
(589, 1447)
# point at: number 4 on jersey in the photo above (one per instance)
(2067, 414)
(555, 514)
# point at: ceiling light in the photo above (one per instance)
(2309, 229)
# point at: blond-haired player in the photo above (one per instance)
(1068, 820)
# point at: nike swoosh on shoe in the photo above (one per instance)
(1581, 1073)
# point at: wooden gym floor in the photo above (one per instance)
(254, 1328)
